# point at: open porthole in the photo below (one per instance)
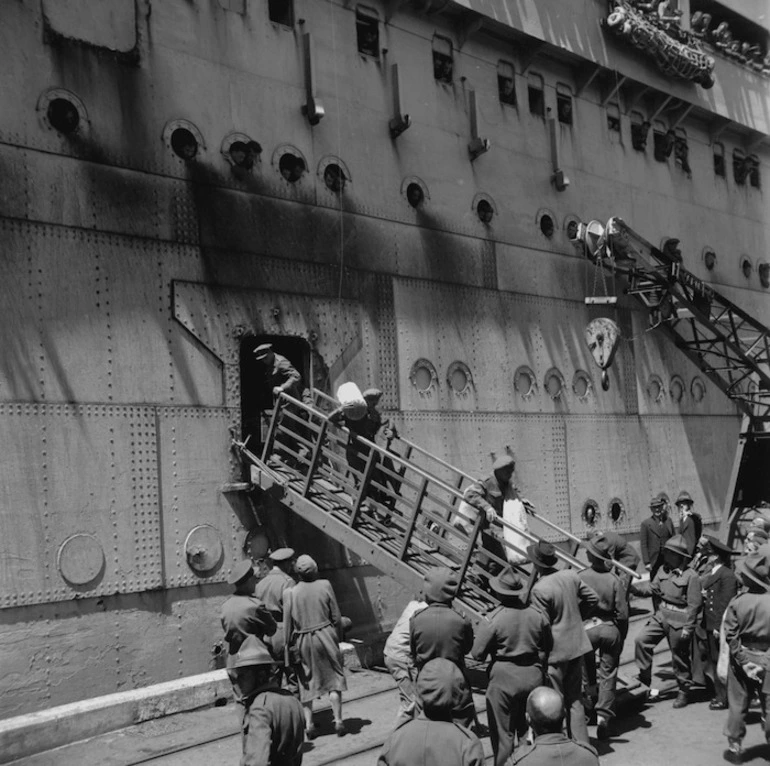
(184, 139)
(334, 173)
(459, 378)
(240, 151)
(655, 389)
(582, 386)
(484, 207)
(62, 111)
(423, 377)
(525, 382)
(590, 513)
(554, 383)
(616, 510)
(414, 191)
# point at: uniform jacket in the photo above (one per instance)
(285, 375)
(690, 529)
(243, 616)
(439, 631)
(397, 644)
(270, 590)
(652, 537)
(521, 635)
(679, 589)
(422, 742)
(273, 730)
(621, 551)
(555, 750)
(747, 621)
(486, 494)
(561, 596)
(719, 589)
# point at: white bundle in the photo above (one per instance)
(514, 513)
(352, 400)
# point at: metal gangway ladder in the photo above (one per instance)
(402, 511)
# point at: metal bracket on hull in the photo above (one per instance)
(400, 121)
(312, 108)
(477, 145)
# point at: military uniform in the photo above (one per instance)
(625, 554)
(273, 730)
(556, 750)
(243, 616)
(284, 375)
(562, 595)
(432, 739)
(270, 589)
(679, 599)
(517, 638)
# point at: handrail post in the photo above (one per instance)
(271, 432)
(480, 519)
(370, 463)
(413, 519)
(317, 448)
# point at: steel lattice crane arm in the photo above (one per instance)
(731, 347)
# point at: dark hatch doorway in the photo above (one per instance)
(256, 392)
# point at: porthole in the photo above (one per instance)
(524, 382)
(554, 383)
(241, 151)
(184, 139)
(764, 274)
(334, 173)
(697, 389)
(655, 389)
(459, 378)
(291, 167)
(485, 211)
(590, 513)
(414, 195)
(746, 267)
(709, 259)
(676, 389)
(582, 385)
(547, 225)
(616, 510)
(571, 228)
(423, 376)
(62, 111)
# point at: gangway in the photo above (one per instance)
(400, 512)
(730, 347)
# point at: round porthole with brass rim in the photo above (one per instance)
(524, 382)
(423, 376)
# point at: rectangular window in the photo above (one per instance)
(754, 179)
(613, 118)
(663, 141)
(640, 130)
(740, 167)
(564, 104)
(506, 83)
(281, 12)
(443, 65)
(682, 151)
(368, 32)
(719, 160)
(536, 94)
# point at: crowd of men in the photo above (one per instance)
(553, 645)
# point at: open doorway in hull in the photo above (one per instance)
(256, 391)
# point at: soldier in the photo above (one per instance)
(562, 595)
(270, 590)
(243, 615)
(273, 724)
(433, 737)
(747, 633)
(653, 534)
(719, 586)
(518, 639)
(440, 631)
(624, 553)
(603, 632)
(690, 524)
(755, 538)
(545, 714)
(487, 496)
(676, 590)
(398, 661)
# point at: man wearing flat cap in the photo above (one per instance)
(440, 631)
(677, 594)
(747, 633)
(517, 639)
(270, 590)
(280, 374)
(434, 737)
(690, 523)
(603, 632)
(565, 599)
(653, 534)
(243, 615)
(719, 586)
(488, 496)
